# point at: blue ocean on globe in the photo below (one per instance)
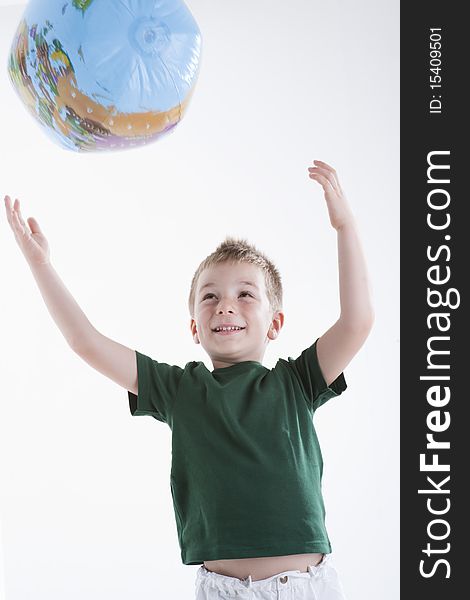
(106, 74)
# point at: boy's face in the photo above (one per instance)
(233, 294)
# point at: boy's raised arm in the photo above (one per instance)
(106, 356)
(110, 358)
(338, 345)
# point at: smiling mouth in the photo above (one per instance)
(228, 330)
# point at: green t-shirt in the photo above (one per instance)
(246, 463)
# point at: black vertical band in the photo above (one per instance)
(435, 243)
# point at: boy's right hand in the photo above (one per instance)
(31, 240)
(114, 360)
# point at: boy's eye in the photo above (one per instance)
(210, 295)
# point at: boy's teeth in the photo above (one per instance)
(227, 328)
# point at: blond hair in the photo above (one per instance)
(240, 251)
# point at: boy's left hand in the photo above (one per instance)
(338, 208)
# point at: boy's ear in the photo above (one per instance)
(276, 325)
(194, 331)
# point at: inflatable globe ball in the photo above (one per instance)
(105, 74)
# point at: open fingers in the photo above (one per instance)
(332, 172)
(17, 224)
(8, 207)
(15, 219)
(324, 174)
(323, 181)
(10, 213)
(20, 218)
(325, 165)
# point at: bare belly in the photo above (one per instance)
(262, 567)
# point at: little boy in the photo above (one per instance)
(246, 464)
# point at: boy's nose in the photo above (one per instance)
(222, 311)
(224, 307)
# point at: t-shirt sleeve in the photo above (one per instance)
(307, 370)
(157, 388)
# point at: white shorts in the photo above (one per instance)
(321, 582)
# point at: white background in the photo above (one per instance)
(85, 502)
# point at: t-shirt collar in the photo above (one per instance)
(239, 365)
